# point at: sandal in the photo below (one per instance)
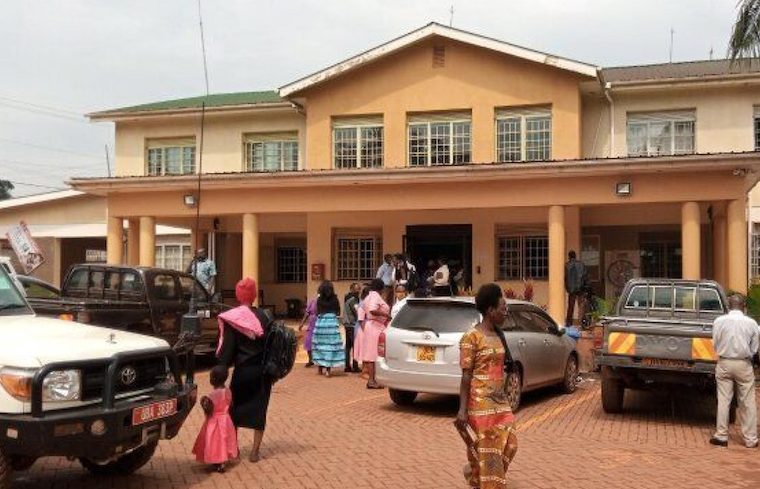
(374, 385)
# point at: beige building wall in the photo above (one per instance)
(82, 209)
(224, 136)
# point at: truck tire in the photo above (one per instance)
(402, 398)
(125, 465)
(613, 392)
(6, 471)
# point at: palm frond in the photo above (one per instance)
(745, 37)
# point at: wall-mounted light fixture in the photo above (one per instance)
(623, 189)
(190, 200)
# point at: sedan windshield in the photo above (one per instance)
(437, 317)
(11, 301)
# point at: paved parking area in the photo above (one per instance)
(334, 433)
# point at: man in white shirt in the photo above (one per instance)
(442, 279)
(385, 272)
(735, 339)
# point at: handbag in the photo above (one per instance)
(509, 362)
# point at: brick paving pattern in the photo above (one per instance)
(334, 433)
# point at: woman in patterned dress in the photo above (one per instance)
(483, 403)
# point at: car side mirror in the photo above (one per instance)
(554, 329)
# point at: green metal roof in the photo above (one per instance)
(213, 100)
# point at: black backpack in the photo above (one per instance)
(412, 280)
(280, 350)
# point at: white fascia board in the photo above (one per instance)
(443, 31)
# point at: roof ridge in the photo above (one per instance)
(694, 61)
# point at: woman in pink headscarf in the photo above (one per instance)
(241, 344)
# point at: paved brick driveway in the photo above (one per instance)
(334, 433)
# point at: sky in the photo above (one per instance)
(61, 59)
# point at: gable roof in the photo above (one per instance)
(435, 29)
(39, 198)
(212, 101)
(681, 71)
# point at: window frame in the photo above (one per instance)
(339, 268)
(249, 152)
(300, 263)
(160, 260)
(523, 258)
(671, 120)
(756, 124)
(164, 147)
(522, 117)
(360, 138)
(452, 154)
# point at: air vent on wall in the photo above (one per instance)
(439, 56)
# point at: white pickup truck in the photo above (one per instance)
(102, 396)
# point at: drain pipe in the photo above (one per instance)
(607, 89)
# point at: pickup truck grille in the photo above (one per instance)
(130, 377)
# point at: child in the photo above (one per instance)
(217, 441)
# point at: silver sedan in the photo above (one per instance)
(419, 351)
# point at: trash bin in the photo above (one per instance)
(294, 308)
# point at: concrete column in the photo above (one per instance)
(573, 233)
(690, 241)
(115, 241)
(719, 245)
(147, 241)
(557, 303)
(736, 245)
(133, 242)
(251, 247)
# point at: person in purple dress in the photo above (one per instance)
(311, 317)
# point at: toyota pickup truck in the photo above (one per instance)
(102, 396)
(661, 333)
(138, 299)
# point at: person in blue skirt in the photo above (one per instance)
(327, 345)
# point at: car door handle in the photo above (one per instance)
(546, 342)
(521, 342)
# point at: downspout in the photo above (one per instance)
(607, 89)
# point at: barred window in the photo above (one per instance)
(754, 256)
(358, 142)
(661, 133)
(523, 257)
(757, 128)
(358, 257)
(171, 160)
(173, 256)
(271, 152)
(440, 139)
(291, 265)
(524, 134)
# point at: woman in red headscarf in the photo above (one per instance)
(241, 344)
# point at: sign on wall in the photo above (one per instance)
(26, 249)
(95, 256)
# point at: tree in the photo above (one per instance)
(745, 37)
(5, 189)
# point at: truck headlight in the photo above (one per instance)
(62, 385)
(17, 382)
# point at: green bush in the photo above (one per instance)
(753, 301)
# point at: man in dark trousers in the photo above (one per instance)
(575, 278)
(350, 318)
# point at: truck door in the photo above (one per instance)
(166, 305)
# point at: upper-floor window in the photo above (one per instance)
(661, 133)
(271, 152)
(171, 157)
(757, 128)
(440, 139)
(358, 142)
(524, 134)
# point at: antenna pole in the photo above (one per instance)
(108, 162)
(203, 46)
(451, 16)
(671, 44)
(200, 146)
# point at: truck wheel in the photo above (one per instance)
(570, 380)
(6, 471)
(125, 465)
(613, 392)
(402, 398)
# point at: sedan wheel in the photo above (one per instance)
(569, 382)
(513, 388)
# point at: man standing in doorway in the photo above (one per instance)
(386, 271)
(204, 270)
(575, 278)
(735, 338)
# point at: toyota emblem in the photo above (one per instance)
(128, 376)
(427, 336)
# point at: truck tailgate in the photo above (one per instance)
(655, 339)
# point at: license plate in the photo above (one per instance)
(426, 354)
(157, 410)
(664, 362)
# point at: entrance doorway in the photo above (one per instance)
(453, 242)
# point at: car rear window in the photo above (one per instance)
(437, 317)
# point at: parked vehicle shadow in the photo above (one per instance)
(692, 407)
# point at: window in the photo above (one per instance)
(165, 288)
(191, 289)
(661, 133)
(130, 283)
(661, 259)
(358, 257)
(291, 265)
(36, 290)
(523, 257)
(78, 279)
(440, 139)
(662, 297)
(171, 157)
(757, 128)
(173, 256)
(524, 134)
(358, 142)
(271, 152)
(638, 298)
(754, 257)
(709, 300)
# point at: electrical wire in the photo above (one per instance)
(49, 114)
(43, 107)
(51, 148)
(36, 185)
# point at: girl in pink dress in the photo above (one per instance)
(378, 313)
(217, 441)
